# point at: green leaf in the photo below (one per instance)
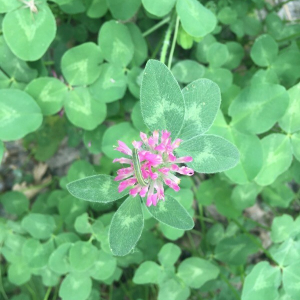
(281, 228)
(59, 259)
(49, 278)
(49, 93)
(172, 289)
(134, 81)
(122, 131)
(251, 161)
(184, 39)
(186, 71)
(158, 8)
(96, 9)
(2, 149)
(215, 234)
(202, 47)
(75, 287)
(8, 5)
(244, 196)
(171, 212)
(147, 272)
(235, 250)
(39, 226)
(248, 144)
(195, 272)
(93, 139)
(110, 85)
(286, 67)
(140, 53)
(162, 102)
(196, 19)
(262, 283)
(14, 67)
(83, 110)
(35, 33)
(217, 54)
(115, 42)
(295, 142)
(82, 224)
(277, 158)
(126, 226)
(227, 15)
(123, 10)
(35, 254)
(222, 77)
(19, 273)
(80, 65)
(169, 254)
(267, 76)
(82, 256)
(202, 101)
(104, 266)
(264, 50)
(278, 194)
(210, 153)
(258, 107)
(19, 114)
(290, 122)
(236, 53)
(137, 118)
(171, 233)
(287, 253)
(14, 203)
(98, 188)
(290, 280)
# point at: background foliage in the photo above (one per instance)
(70, 75)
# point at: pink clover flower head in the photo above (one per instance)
(157, 165)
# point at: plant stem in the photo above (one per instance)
(224, 278)
(173, 43)
(1, 283)
(166, 42)
(156, 26)
(265, 251)
(48, 293)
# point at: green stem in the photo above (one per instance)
(31, 291)
(289, 37)
(156, 26)
(110, 292)
(173, 43)
(166, 42)
(1, 283)
(157, 48)
(224, 278)
(55, 293)
(265, 251)
(48, 293)
(203, 227)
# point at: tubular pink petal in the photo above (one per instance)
(144, 191)
(184, 159)
(172, 157)
(160, 147)
(164, 170)
(126, 183)
(134, 191)
(155, 136)
(137, 145)
(123, 160)
(144, 137)
(123, 148)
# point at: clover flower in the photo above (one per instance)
(154, 165)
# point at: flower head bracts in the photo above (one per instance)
(157, 163)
